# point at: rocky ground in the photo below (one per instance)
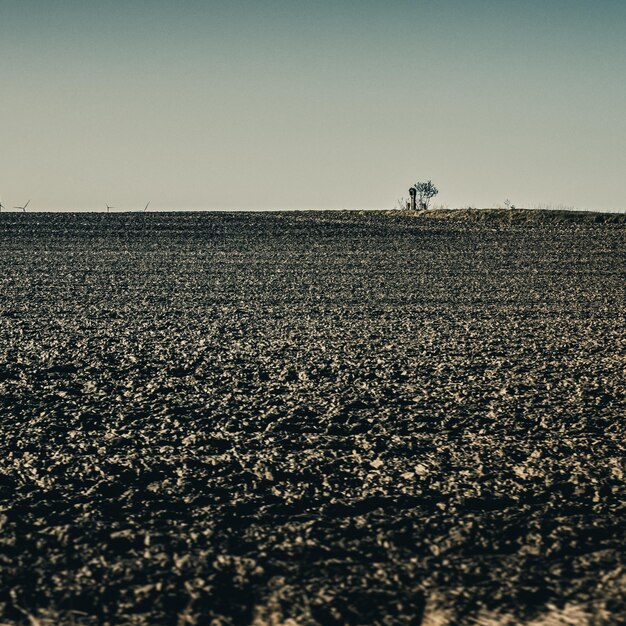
(314, 418)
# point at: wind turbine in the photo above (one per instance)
(1, 206)
(146, 207)
(22, 207)
(109, 208)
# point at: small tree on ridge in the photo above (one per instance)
(426, 192)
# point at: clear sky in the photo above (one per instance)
(284, 104)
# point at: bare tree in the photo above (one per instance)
(402, 203)
(508, 204)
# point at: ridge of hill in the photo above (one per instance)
(523, 215)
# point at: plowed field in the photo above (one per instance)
(328, 418)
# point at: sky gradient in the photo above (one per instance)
(318, 104)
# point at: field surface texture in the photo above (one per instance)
(313, 418)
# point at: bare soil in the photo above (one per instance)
(328, 418)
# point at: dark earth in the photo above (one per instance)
(311, 418)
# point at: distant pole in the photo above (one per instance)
(412, 193)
